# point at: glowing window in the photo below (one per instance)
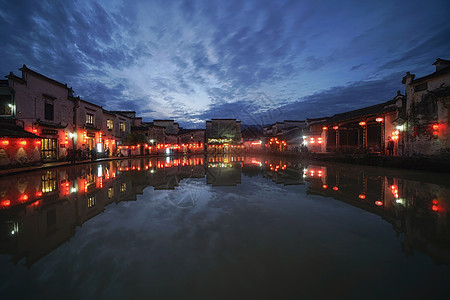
(89, 119)
(91, 201)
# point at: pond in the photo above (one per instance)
(224, 227)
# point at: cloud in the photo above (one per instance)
(196, 60)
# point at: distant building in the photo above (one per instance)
(222, 135)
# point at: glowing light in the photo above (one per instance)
(5, 142)
(435, 127)
(24, 197)
(435, 208)
(434, 201)
(362, 196)
(400, 127)
(378, 203)
(324, 128)
(335, 127)
(335, 188)
(38, 194)
(362, 123)
(379, 120)
(5, 203)
(23, 143)
(324, 186)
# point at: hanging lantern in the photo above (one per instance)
(362, 123)
(335, 127)
(379, 120)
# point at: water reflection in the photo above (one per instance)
(41, 210)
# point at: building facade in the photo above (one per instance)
(46, 108)
(427, 113)
(223, 135)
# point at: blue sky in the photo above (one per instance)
(258, 61)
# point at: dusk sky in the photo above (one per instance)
(257, 61)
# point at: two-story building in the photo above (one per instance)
(427, 115)
(46, 108)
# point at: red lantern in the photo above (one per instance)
(379, 120)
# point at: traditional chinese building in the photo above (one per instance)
(46, 108)
(223, 135)
(364, 130)
(427, 115)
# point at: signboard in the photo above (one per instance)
(90, 134)
(49, 132)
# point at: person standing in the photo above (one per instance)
(390, 146)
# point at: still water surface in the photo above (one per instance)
(224, 227)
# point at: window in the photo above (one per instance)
(49, 149)
(122, 126)
(89, 119)
(109, 124)
(5, 105)
(110, 192)
(91, 201)
(123, 187)
(49, 111)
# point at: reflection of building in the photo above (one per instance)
(417, 210)
(224, 170)
(223, 135)
(284, 172)
(39, 212)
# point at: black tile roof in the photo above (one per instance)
(363, 112)
(441, 72)
(12, 130)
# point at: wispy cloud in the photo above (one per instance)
(193, 60)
